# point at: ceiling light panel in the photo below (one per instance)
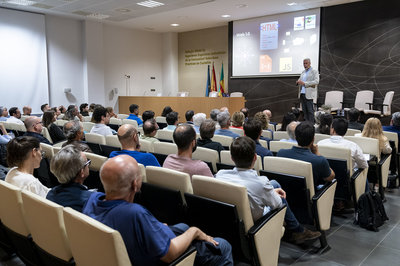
(150, 3)
(20, 2)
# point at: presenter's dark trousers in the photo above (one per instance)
(308, 108)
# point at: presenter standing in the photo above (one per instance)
(308, 85)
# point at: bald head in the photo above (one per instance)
(268, 113)
(127, 135)
(31, 124)
(290, 129)
(121, 178)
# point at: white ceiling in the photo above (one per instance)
(190, 14)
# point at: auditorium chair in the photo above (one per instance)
(296, 178)
(319, 136)
(362, 100)
(122, 116)
(86, 119)
(112, 140)
(59, 144)
(352, 132)
(263, 143)
(255, 242)
(93, 180)
(94, 140)
(146, 146)
(165, 148)
(45, 221)
(130, 121)
(276, 145)
(333, 99)
(224, 140)
(12, 217)
(87, 126)
(46, 134)
(271, 127)
(94, 243)
(379, 165)
(43, 173)
(386, 106)
(165, 135)
(266, 134)
(394, 162)
(278, 135)
(207, 155)
(238, 131)
(61, 122)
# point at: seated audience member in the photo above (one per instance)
(91, 108)
(264, 195)
(290, 129)
(56, 134)
(73, 130)
(4, 138)
(338, 130)
(245, 111)
(224, 109)
(57, 111)
(198, 119)
(207, 129)
(110, 110)
(129, 139)
(213, 114)
(62, 109)
(134, 109)
(308, 152)
(252, 129)
(185, 140)
(3, 113)
(325, 123)
(296, 113)
(71, 167)
(147, 241)
(263, 119)
(101, 117)
(150, 128)
(15, 116)
(166, 110)
(72, 113)
(45, 107)
(34, 129)
(224, 121)
(26, 110)
(189, 117)
(287, 118)
(84, 109)
(268, 113)
(147, 115)
(354, 115)
(24, 155)
(237, 120)
(394, 124)
(172, 121)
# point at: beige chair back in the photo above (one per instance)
(334, 99)
(238, 131)
(112, 140)
(291, 167)
(130, 121)
(224, 140)
(278, 135)
(93, 243)
(352, 132)
(363, 98)
(46, 224)
(207, 155)
(46, 134)
(12, 213)
(267, 134)
(87, 126)
(143, 172)
(56, 149)
(115, 121)
(165, 134)
(61, 122)
(169, 178)
(95, 138)
(122, 116)
(215, 189)
(226, 158)
(59, 144)
(263, 143)
(271, 127)
(337, 152)
(87, 119)
(48, 150)
(393, 137)
(165, 148)
(146, 145)
(97, 161)
(161, 119)
(387, 103)
(276, 145)
(367, 145)
(319, 137)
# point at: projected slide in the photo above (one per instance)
(275, 45)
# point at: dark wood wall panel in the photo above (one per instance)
(360, 50)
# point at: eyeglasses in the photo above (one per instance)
(43, 153)
(87, 163)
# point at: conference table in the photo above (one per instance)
(180, 104)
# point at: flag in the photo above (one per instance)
(208, 81)
(213, 80)
(221, 91)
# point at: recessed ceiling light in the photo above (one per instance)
(175, 25)
(21, 2)
(150, 3)
(241, 6)
(98, 16)
(292, 4)
(226, 16)
(123, 10)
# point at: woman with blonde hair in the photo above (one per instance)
(237, 120)
(373, 129)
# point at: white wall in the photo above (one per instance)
(170, 64)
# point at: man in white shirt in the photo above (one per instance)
(338, 130)
(15, 115)
(101, 117)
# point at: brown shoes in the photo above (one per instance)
(299, 238)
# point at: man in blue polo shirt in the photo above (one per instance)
(134, 109)
(224, 121)
(147, 241)
(129, 139)
(394, 124)
(308, 152)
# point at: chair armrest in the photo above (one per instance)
(358, 180)
(266, 234)
(187, 258)
(370, 105)
(322, 205)
(384, 157)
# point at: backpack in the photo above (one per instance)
(370, 211)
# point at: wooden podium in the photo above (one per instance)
(180, 104)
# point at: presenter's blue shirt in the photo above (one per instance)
(134, 117)
(146, 239)
(141, 157)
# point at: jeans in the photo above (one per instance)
(291, 221)
(207, 253)
(308, 108)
